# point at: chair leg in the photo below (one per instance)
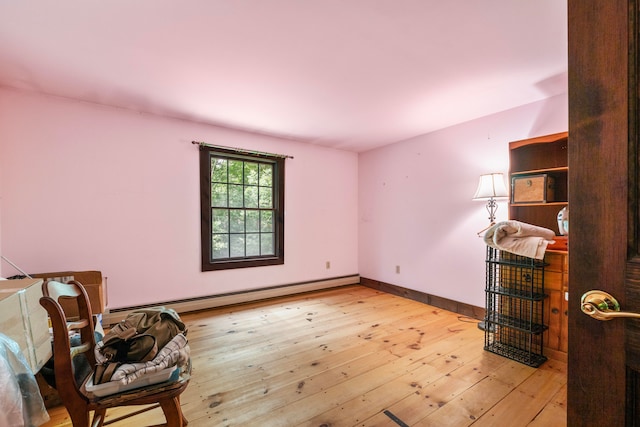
(184, 419)
(173, 412)
(79, 416)
(98, 417)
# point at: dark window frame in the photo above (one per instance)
(208, 264)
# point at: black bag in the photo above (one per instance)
(124, 344)
(138, 338)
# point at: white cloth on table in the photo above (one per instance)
(21, 403)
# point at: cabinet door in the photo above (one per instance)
(554, 318)
(564, 325)
(555, 282)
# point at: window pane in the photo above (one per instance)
(218, 170)
(253, 244)
(266, 221)
(266, 198)
(236, 243)
(252, 221)
(218, 195)
(251, 197)
(219, 220)
(235, 196)
(219, 246)
(266, 175)
(251, 173)
(235, 171)
(266, 244)
(236, 221)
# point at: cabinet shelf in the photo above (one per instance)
(516, 291)
(536, 156)
(560, 203)
(537, 171)
(517, 323)
(511, 352)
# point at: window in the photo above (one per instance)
(242, 205)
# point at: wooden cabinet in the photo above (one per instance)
(533, 159)
(544, 159)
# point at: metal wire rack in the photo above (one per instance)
(514, 322)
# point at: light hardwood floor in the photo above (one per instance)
(353, 356)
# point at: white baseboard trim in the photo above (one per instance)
(111, 316)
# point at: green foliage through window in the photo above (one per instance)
(242, 209)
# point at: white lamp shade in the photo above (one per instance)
(491, 186)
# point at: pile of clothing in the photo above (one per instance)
(146, 342)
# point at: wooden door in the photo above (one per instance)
(604, 247)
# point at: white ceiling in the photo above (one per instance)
(350, 74)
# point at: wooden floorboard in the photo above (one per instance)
(353, 356)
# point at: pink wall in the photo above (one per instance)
(90, 187)
(415, 205)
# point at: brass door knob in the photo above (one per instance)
(603, 306)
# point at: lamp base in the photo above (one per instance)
(483, 326)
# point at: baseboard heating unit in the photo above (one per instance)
(111, 316)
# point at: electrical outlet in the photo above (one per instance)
(328, 265)
(397, 269)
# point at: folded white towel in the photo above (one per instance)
(520, 238)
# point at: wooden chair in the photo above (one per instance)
(73, 394)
